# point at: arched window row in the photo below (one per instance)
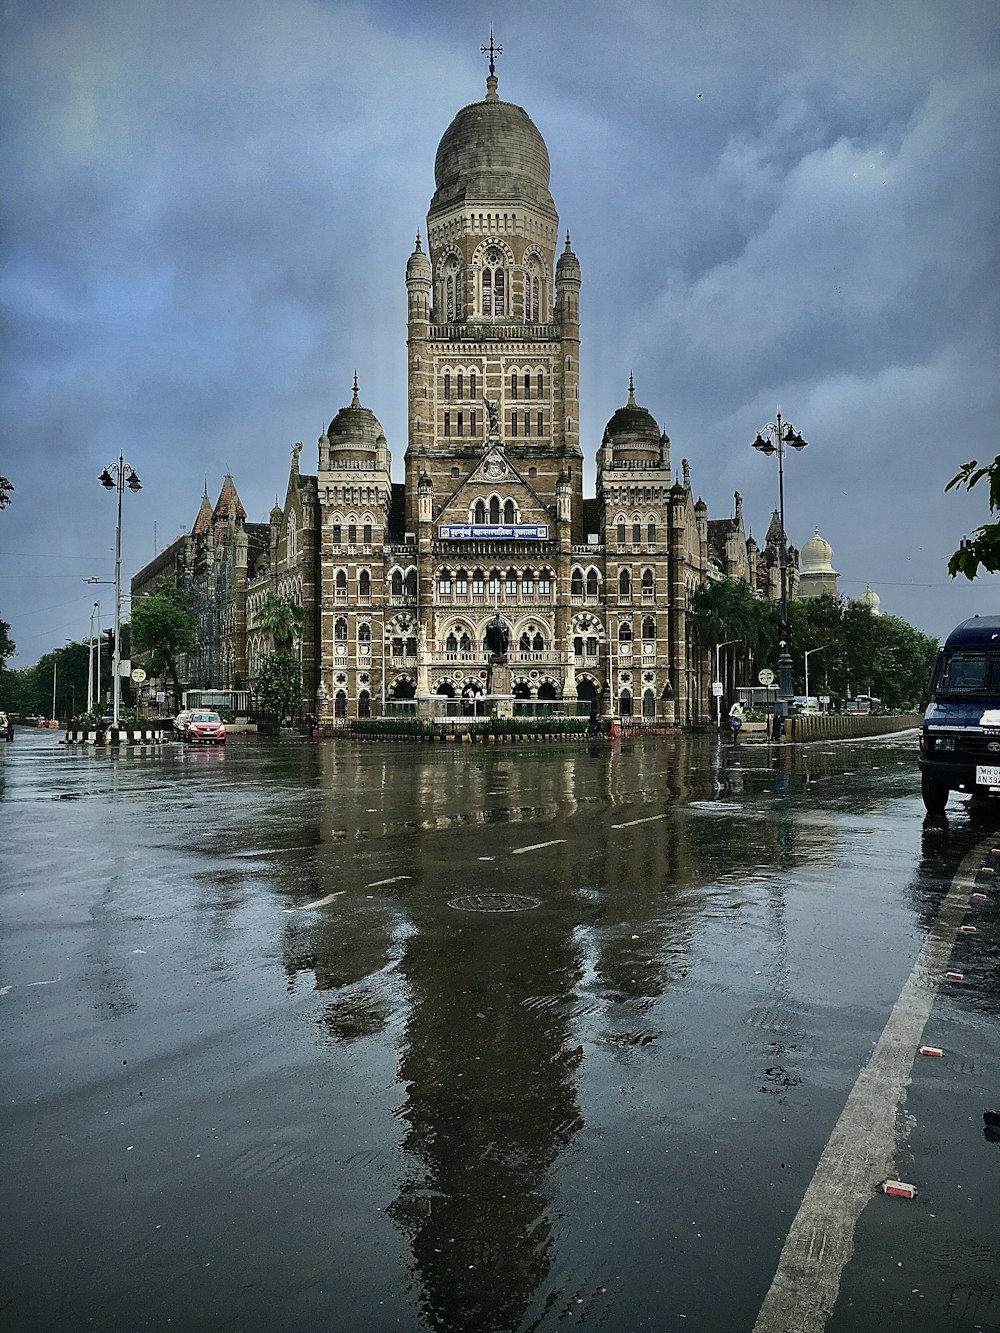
(514, 582)
(403, 583)
(635, 529)
(527, 384)
(349, 530)
(460, 384)
(589, 582)
(493, 510)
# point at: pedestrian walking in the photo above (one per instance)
(736, 721)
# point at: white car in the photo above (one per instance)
(180, 723)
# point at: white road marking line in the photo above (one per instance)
(394, 880)
(860, 1152)
(650, 819)
(45, 983)
(536, 846)
(320, 902)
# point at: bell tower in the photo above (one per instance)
(493, 321)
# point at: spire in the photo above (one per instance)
(631, 391)
(568, 245)
(417, 246)
(355, 401)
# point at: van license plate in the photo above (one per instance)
(988, 775)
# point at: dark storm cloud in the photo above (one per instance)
(772, 204)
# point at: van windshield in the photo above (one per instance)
(967, 671)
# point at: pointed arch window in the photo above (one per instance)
(494, 509)
(527, 384)
(479, 513)
(592, 584)
(494, 284)
(472, 385)
(444, 583)
(364, 633)
(576, 584)
(511, 584)
(411, 583)
(509, 512)
(340, 629)
(541, 386)
(396, 583)
(447, 386)
(493, 586)
(625, 632)
(460, 386)
(648, 628)
(365, 585)
(647, 583)
(341, 582)
(528, 583)
(513, 384)
(625, 586)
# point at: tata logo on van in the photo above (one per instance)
(993, 746)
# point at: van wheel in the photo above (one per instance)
(934, 792)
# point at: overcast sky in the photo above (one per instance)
(210, 206)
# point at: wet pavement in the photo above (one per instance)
(327, 1035)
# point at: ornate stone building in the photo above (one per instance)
(491, 519)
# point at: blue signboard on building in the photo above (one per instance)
(530, 532)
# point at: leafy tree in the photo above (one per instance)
(278, 686)
(7, 645)
(281, 620)
(982, 549)
(164, 626)
(5, 489)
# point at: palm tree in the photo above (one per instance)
(725, 610)
(281, 620)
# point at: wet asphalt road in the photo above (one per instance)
(275, 1058)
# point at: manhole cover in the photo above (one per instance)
(493, 902)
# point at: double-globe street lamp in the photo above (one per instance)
(116, 477)
(774, 438)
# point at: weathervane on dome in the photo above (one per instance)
(492, 51)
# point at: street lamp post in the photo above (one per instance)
(821, 649)
(773, 439)
(116, 477)
(718, 681)
(90, 658)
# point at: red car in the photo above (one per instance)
(207, 727)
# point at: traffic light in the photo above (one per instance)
(784, 631)
(110, 636)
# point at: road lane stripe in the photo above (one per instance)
(536, 846)
(377, 884)
(320, 902)
(650, 819)
(860, 1152)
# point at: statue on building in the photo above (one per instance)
(497, 641)
(493, 412)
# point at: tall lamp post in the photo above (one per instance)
(116, 477)
(718, 681)
(807, 653)
(774, 438)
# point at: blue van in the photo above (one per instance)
(960, 737)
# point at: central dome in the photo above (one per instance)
(491, 153)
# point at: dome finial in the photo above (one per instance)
(493, 50)
(568, 247)
(355, 401)
(417, 246)
(631, 391)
